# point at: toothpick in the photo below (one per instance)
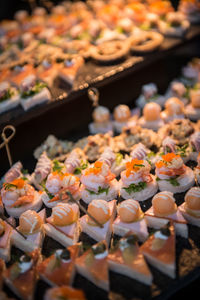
(4, 219)
(83, 209)
(6, 141)
(93, 95)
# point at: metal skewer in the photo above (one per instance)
(4, 219)
(83, 209)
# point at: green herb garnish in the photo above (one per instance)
(9, 93)
(173, 181)
(24, 171)
(118, 159)
(79, 169)
(57, 166)
(9, 186)
(182, 150)
(134, 188)
(34, 90)
(42, 184)
(150, 154)
(158, 179)
(100, 191)
(98, 249)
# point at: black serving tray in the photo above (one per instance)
(124, 288)
(99, 75)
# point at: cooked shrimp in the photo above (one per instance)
(53, 183)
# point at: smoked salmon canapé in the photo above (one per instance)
(191, 206)
(58, 184)
(136, 181)
(163, 210)
(31, 226)
(104, 213)
(21, 277)
(19, 196)
(160, 251)
(127, 259)
(130, 219)
(93, 265)
(63, 225)
(59, 268)
(64, 292)
(9, 96)
(5, 238)
(33, 92)
(172, 175)
(98, 182)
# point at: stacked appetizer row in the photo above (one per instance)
(37, 49)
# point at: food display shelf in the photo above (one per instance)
(93, 74)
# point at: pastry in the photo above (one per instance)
(164, 209)
(31, 226)
(121, 114)
(130, 219)
(104, 213)
(174, 109)
(102, 122)
(151, 118)
(191, 207)
(62, 225)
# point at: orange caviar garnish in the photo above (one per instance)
(169, 156)
(160, 164)
(96, 169)
(19, 183)
(133, 165)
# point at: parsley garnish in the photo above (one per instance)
(24, 171)
(100, 191)
(138, 165)
(158, 179)
(83, 166)
(9, 186)
(133, 188)
(57, 166)
(173, 181)
(182, 150)
(9, 93)
(119, 158)
(150, 154)
(42, 184)
(34, 90)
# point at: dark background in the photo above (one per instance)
(8, 7)
(7, 10)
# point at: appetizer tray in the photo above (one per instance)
(92, 73)
(124, 288)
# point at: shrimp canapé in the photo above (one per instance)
(172, 174)
(136, 181)
(58, 184)
(98, 183)
(18, 196)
